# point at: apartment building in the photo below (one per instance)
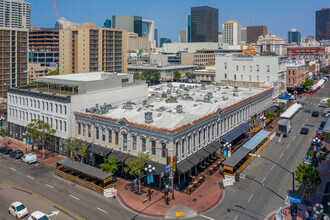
(15, 14)
(200, 58)
(92, 49)
(232, 33)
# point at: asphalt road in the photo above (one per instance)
(250, 199)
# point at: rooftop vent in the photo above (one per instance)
(148, 117)
(182, 86)
(179, 109)
(169, 85)
(203, 87)
(210, 94)
(128, 105)
(207, 98)
(235, 89)
(161, 109)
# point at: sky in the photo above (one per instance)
(171, 15)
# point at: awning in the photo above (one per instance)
(272, 109)
(99, 150)
(216, 144)
(184, 166)
(158, 167)
(202, 153)
(85, 169)
(194, 159)
(285, 96)
(235, 133)
(327, 126)
(236, 157)
(121, 157)
(256, 139)
(289, 113)
(209, 148)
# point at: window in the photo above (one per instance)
(143, 141)
(35, 103)
(61, 125)
(183, 148)
(97, 132)
(38, 104)
(60, 109)
(89, 131)
(250, 68)
(124, 141)
(250, 78)
(64, 126)
(204, 135)
(244, 68)
(292, 80)
(79, 128)
(43, 105)
(268, 68)
(267, 78)
(199, 137)
(116, 137)
(218, 128)
(225, 76)
(209, 132)
(194, 141)
(103, 134)
(177, 145)
(234, 77)
(292, 72)
(189, 145)
(51, 122)
(163, 150)
(51, 107)
(134, 142)
(47, 105)
(109, 136)
(225, 66)
(56, 108)
(236, 68)
(84, 130)
(65, 109)
(289, 80)
(56, 124)
(153, 147)
(289, 72)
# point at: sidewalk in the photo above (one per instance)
(51, 158)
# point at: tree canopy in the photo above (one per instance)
(309, 83)
(52, 73)
(328, 103)
(176, 75)
(308, 177)
(282, 107)
(151, 75)
(190, 75)
(111, 165)
(270, 115)
(268, 53)
(76, 148)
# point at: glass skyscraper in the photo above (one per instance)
(128, 23)
(188, 28)
(322, 24)
(294, 36)
(204, 24)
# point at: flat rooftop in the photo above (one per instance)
(164, 103)
(78, 77)
(164, 67)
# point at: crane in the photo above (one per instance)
(62, 21)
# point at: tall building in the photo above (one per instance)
(183, 36)
(204, 24)
(322, 24)
(107, 23)
(156, 37)
(136, 43)
(231, 33)
(148, 31)
(15, 14)
(253, 32)
(44, 46)
(294, 36)
(188, 28)
(164, 40)
(243, 35)
(128, 23)
(91, 49)
(14, 24)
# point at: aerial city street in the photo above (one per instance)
(164, 110)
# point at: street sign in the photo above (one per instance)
(27, 140)
(229, 177)
(168, 170)
(287, 201)
(294, 200)
(242, 176)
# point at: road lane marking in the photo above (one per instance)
(307, 119)
(101, 210)
(12, 168)
(236, 217)
(30, 177)
(281, 154)
(50, 186)
(294, 138)
(272, 167)
(263, 180)
(207, 217)
(287, 147)
(74, 197)
(250, 197)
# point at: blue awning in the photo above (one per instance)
(286, 96)
(235, 133)
(256, 139)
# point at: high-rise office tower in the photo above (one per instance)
(188, 28)
(294, 36)
(243, 35)
(148, 31)
(91, 49)
(183, 36)
(322, 24)
(128, 23)
(204, 24)
(164, 40)
(231, 33)
(156, 37)
(15, 14)
(14, 27)
(253, 33)
(43, 45)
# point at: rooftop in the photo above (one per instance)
(171, 106)
(80, 77)
(158, 67)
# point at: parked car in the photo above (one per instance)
(323, 124)
(6, 150)
(29, 158)
(304, 131)
(17, 154)
(320, 129)
(315, 114)
(319, 135)
(37, 215)
(18, 210)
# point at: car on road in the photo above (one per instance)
(29, 158)
(6, 150)
(304, 131)
(37, 215)
(17, 154)
(323, 124)
(18, 210)
(315, 114)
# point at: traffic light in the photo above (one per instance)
(174, 164)
(237, 176)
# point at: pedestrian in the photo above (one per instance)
(307, 214)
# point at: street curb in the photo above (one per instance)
(218, 202)
(270, 215)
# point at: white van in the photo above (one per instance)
(323, 103)
(29, 158)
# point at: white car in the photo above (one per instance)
(37, 215)
(18, 210)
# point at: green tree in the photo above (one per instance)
(326, 135)
(111, 166)
(281, 107)
(4, 132)
(190, 75)
(52, 73)
(40, 132)
(270, 115)
(268, 53)
(315, 160)
(309, 83)
(76, 148)
(328, 103)
(176, 75)
(151, 75)
(135, 166)
(308, 177)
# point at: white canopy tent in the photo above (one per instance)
(290, 112)
(320, 83)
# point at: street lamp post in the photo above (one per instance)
(1, 121)
(263, 118)
(149, 170)
(26, 140)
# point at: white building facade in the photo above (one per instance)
(232, 33)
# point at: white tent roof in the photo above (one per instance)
(320, 83)
(291, 111)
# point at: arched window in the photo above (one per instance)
(163, 149)
(79, 128)
(134, 142)
(189, 145)
(143, 143)
(103, 134)
(109, 136)
(97, 131)
(124, 141)
(183, 148)
(153, 147)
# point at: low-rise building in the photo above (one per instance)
(166, 71)
(271, 43)
(296, 74)
(199, 58)
(36, 70)
(54, 99)
(252, 71)
(308, 54)
(137, 43)
(192, 47)
(205, 75)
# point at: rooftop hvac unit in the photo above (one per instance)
(148, 117)
(179, 109)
